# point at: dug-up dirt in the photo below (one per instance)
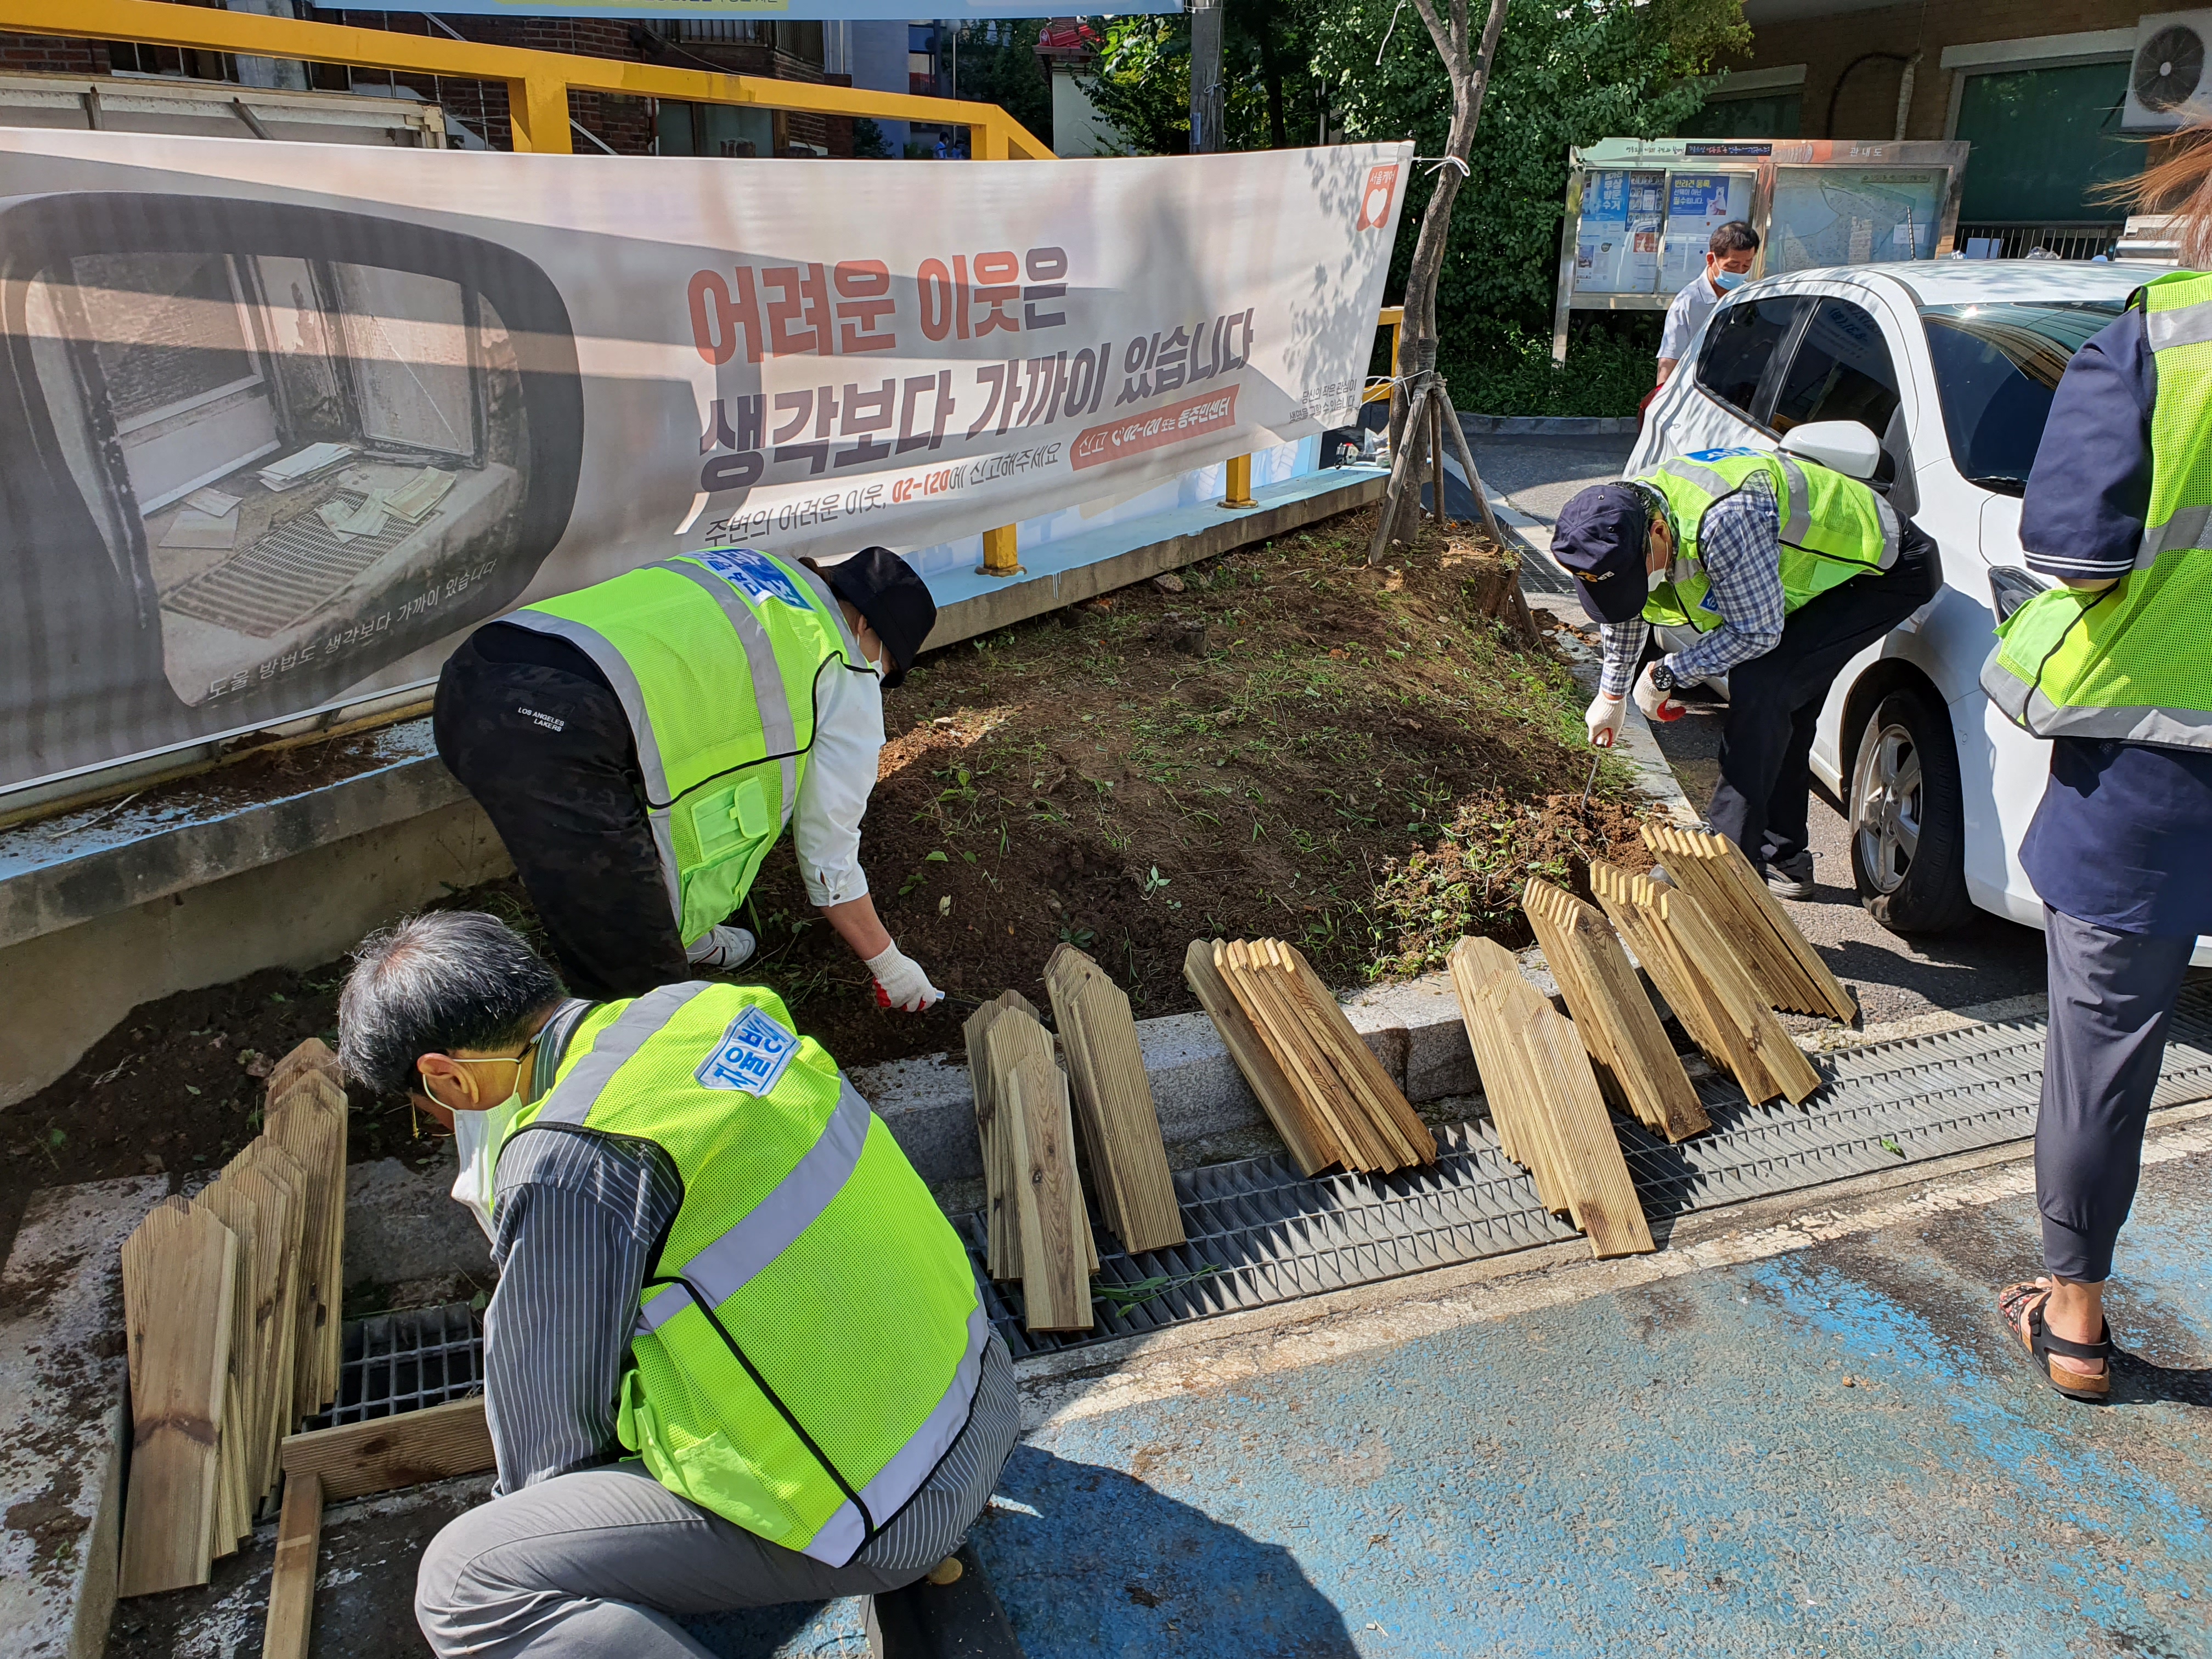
(1362, 762)
(1365, 762)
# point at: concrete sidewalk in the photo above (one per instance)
(1790, 1434)
(1799, 1430)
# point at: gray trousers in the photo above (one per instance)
(2111, 998)
(595, 1563)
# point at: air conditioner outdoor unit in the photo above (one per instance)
(2166, 78)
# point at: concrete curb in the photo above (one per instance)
(1413, 1029)
(1549, 426)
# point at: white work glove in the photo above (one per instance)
(1605, 717)
(1656, 704)
(900, 983)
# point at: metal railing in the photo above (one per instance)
(537, 82)
(2016, 241)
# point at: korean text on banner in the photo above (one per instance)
(284, 421)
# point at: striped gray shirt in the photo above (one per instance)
(579, 1220)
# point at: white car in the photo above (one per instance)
(1951, 365)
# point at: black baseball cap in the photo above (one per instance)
(883, 587)
(1599, 541)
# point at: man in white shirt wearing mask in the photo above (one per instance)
(641, 745)
(1730, 257)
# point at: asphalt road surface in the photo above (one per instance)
(1989, 960)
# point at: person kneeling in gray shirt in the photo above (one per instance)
(584, 1549)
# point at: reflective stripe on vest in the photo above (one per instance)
(724, 1268)
(782, 737)
(1793, 508)
(2127, 663)
(1829, 528)
(581, 1089)
(899, 1480)
(704, 775)
(838, 1342)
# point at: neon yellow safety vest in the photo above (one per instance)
(715, 656)
(2132, 662)
(1833, 528)
(808, 1343)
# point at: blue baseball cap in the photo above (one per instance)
(1599, 541)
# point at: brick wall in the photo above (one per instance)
(43, 54)
(1867, 107)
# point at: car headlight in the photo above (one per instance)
(2011, 587)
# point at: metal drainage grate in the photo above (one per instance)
(290, 571)
(1260, 1233)
(402, 1362)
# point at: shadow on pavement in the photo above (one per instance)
(1093, 1561)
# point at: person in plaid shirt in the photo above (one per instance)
(1620, 540)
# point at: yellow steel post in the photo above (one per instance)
(151, 22)
(537, 110)
(1239, 492)
(999, 557)
(1393, 318)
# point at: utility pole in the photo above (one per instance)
(1207, 102)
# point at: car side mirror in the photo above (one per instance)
(1847, 446)
(2011, 587)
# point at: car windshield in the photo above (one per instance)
(1996, 367)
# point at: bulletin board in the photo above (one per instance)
(1639, 212)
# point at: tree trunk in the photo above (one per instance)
(1470, 71)
(1271, 75)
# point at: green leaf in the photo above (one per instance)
(1122, 1298)
(935, 857)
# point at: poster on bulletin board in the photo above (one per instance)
(1699, 203)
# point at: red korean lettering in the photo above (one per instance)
(799, 323)
(718, 318)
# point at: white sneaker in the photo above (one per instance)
(720, 950)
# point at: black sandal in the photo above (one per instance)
(2022, 1306)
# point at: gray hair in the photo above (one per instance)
(446, 980)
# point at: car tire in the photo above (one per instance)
(1908, 819)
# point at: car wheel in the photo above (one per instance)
(1908, 831)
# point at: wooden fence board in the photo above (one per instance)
(179, 1275)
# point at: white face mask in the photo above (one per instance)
(476, 1138)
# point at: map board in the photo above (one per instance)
(1854, 216)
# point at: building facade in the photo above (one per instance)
(2039, 88)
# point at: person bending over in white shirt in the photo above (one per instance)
(546, 717)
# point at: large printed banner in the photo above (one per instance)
(281, 421)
